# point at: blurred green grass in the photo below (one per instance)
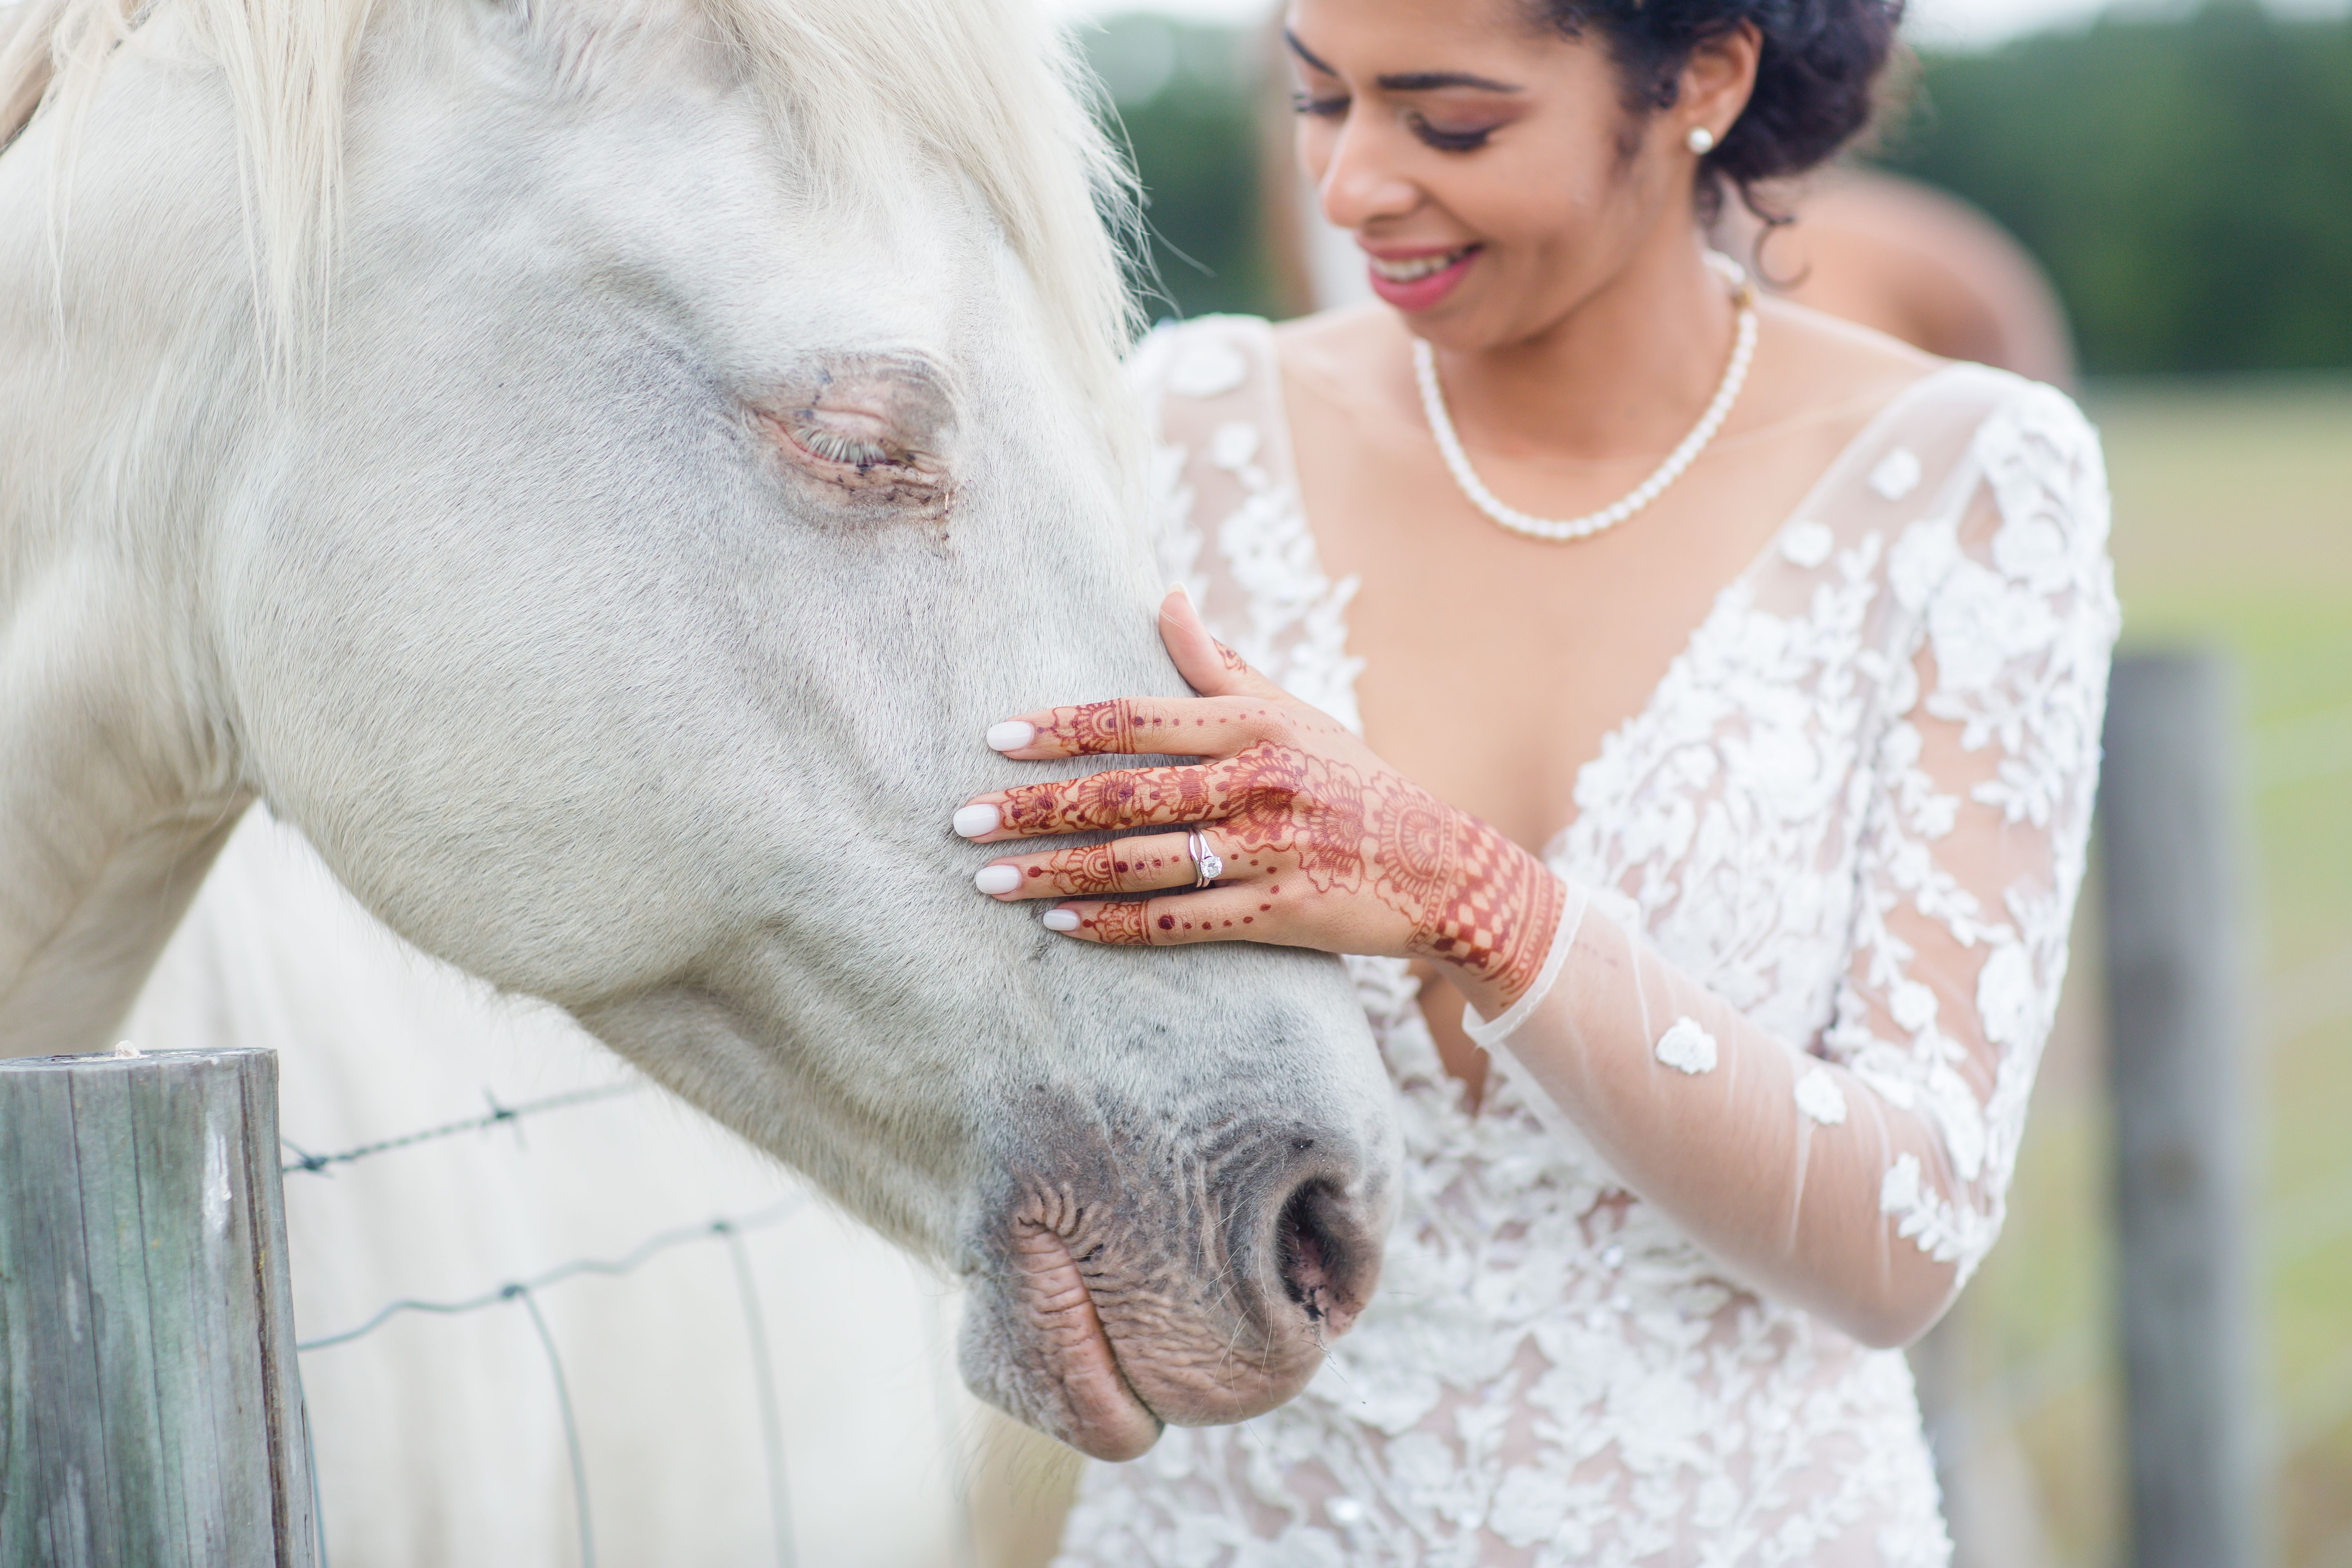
(2234, 527)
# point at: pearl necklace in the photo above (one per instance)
(1562, 529)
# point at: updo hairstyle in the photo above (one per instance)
(1815, 76)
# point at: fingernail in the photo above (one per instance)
(1061, 920)
(997, 878)
(971, 821)
(1011, 735)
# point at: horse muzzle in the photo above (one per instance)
(1130, 1284)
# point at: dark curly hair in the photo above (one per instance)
(1815, 77)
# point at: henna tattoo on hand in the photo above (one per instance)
(1470, 897)
(1310, 802)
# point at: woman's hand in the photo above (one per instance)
(1323, 844)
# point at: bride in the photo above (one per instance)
(1687, 708)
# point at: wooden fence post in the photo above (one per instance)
(151, 1413)
(2180, 1055)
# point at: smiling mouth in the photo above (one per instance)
(1412, 269)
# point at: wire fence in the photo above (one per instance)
(525, 1293)
(498, 1116)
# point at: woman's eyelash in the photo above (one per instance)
(1444, 141)
(1450, 140)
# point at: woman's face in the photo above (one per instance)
(1486, 164)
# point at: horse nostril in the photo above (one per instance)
(1317, 1254)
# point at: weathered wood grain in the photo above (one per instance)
(2181, 1061)
(150, 1406)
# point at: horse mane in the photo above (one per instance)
(986, 88)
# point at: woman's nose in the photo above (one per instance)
(1358, 183)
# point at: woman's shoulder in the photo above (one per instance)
(1921, 420)
(1341, 341)
(1808, 359)
(1204, 357)
(1825, 361)
(1357, 356)
(1342, 353)
(1208, 376)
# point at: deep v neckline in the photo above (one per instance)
(1836, 472)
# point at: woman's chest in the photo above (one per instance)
(1494, 666)
(1712, 759)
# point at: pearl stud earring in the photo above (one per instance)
(1700, 141)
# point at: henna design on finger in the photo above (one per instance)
(1116, 925)
(1087, 870)
(1095, 729)
(1100, 871)
(1233, 661)
(1129, 797)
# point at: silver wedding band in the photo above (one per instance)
(1206, 865)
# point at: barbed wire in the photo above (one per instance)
(498, 1116)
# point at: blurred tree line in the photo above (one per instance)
(2187, 181)
(1190, 103)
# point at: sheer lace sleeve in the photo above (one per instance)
(1862, 1172)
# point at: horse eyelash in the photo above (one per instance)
(836, 447)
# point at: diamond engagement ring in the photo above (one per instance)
(1206, 866)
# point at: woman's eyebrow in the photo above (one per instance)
(1304, 53)
(1433, 82)
(1404, 81)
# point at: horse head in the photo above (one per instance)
(596, 467)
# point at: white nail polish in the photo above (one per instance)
(1011, 735)
(971, 821)
(997, 878)
(1061, 920)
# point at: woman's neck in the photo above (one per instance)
(1618, 378)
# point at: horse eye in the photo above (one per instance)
(878, 422)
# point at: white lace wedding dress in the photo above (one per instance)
(1848, 830)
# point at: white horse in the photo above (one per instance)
(594, 467)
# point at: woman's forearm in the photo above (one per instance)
(1773, 1160)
